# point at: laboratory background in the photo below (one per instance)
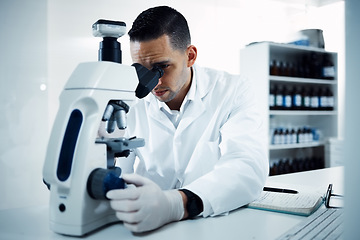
(43, 41)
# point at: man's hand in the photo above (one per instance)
(145, 207)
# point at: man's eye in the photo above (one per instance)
(163, 66)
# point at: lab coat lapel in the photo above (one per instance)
(196, 106)
(158, 116)
(195, 109)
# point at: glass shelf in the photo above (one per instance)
(299, 112)
(301, 80)
(297, 145)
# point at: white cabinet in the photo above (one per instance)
(297, 90)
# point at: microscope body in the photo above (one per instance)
(75, 150)
(79, 168)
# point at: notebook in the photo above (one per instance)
(304, 203)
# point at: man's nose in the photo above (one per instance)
(159, 83)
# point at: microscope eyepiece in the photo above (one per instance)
(148, 79)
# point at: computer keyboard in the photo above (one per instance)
(325, 223)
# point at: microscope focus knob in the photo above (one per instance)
(101, 181)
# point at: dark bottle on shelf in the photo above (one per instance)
(301, 69)
(328, 68)
(287, 166)
(272, 69)
(275, 68)
(290, 69)
(281, 167)
(307, 164)
(293, 136)
(306, 67)
(295, 165)
(305, 99)
(330, 99)
(312, 163)
(315, 65)
(281, 136)
(299, 136)
(300, 165)
(281, 68)
(278, 98)
(323, 99)
(273, 169)
(275, 137)
(272, 98)
(295, 69)
(287, 136)
(303, 134)
(296, 98)
(314, 99)
(285, 69)
(287, 102)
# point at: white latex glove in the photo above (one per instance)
(145, 207)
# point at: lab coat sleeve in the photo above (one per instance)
(241, 170)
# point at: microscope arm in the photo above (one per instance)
(75, 170)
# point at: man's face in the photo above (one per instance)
(175, 82)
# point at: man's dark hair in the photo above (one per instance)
(155, 22)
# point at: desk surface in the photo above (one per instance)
(33, 223)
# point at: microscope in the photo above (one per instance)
(79, 168)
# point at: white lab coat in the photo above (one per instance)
(218, 150)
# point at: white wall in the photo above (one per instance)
(23, 105)
(219, 30)
(47, 39)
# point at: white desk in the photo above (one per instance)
(244, 223)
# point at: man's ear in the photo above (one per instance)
(191, 54)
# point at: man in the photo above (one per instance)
(205, 151)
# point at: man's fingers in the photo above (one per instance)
(131, 218)
(123, 194)
(125, 206)
(135, 179)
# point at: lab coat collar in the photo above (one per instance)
(203, 85)
(199, 89)
(190, 96)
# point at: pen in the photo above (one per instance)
(280, 190)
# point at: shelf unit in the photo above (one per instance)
(255, 61)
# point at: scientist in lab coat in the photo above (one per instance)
(205, 151)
